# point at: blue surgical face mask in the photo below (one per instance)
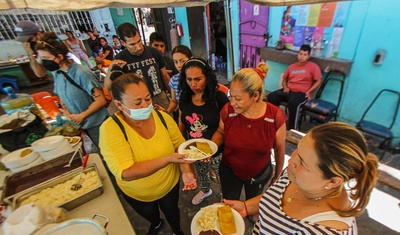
(139, 114)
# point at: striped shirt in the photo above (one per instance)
(174, 83)
(273, 219)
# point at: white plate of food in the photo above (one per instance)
(197, 149)
(208, 218)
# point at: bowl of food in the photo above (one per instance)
(48, 143)
(197, 149)
(20, 158)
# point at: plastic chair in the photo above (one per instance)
(319, 109)
(7, 80)
(376, 128)
(299, 107)
(283, 103)
(223, 88)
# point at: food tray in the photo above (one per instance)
(35, 175)
(70, 204)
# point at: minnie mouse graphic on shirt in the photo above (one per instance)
(196, 125)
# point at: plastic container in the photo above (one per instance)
(48, 104)
(18, 101)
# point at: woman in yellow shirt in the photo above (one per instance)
(141, 153)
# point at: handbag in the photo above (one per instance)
(263, 177)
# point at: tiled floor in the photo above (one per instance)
(367, 222)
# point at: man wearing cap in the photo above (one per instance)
(28, 33)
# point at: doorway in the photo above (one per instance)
(197, 31)
(161, 18)
(218, 35)
(145, 23)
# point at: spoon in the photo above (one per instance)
(72, 158)
(78, 185)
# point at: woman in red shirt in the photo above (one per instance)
(250, 128)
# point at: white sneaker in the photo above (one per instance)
(200, 197)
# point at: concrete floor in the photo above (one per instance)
(366, 224)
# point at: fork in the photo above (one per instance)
(78, 185)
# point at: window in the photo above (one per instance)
(56, 21)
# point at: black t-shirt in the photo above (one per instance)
(202, 121)
(110, 56)
(94, 44)
(148, 64)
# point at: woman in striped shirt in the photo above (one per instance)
(313, 195)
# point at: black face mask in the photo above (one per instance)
(51, 65)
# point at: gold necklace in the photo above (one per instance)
(290, 199)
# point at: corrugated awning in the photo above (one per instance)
(70, 5)
(290, 2)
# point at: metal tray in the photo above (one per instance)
(72, 203)
(35, 175)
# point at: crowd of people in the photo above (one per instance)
(313, 194)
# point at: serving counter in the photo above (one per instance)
(107, 204)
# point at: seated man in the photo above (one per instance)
(105, 56)
(298, 82)
(157, 41)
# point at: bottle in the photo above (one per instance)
(18, 101)
(213, 63)
(221, 63)
(217, 63)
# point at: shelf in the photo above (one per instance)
(290, 57)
